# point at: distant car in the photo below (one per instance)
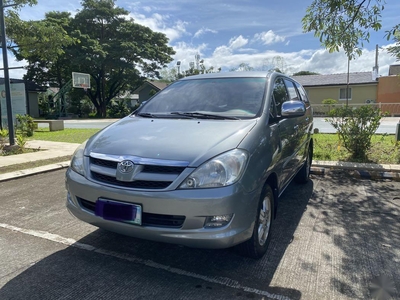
(202, 163)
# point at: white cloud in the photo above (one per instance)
(268, 37)
(203, 31)
(315, 60)
(237, 42)
(147, 8)
(159, 23)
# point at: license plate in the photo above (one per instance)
(119, 211)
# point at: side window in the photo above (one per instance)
(302, 92)
(292, 90)
(280, 95)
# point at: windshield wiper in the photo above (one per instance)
(147, 115)
(200, 115)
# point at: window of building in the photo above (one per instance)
(343, 95)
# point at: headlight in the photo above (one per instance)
(222, 170)
(77, 160)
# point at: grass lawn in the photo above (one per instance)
(67, 135)
(384, 149)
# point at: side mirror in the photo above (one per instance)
(291, 109)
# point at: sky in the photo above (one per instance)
(228, 33)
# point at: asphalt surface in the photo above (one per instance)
(332, 238)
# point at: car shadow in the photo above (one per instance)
(112, 258)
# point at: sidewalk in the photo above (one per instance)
(59, 149)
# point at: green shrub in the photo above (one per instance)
(355, 127)
(25, 125)
(117, 109)
(21, 142)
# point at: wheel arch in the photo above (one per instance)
(273, 182)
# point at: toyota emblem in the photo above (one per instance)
(125, 166)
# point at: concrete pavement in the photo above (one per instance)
(58, 149)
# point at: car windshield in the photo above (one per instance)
(214, 98)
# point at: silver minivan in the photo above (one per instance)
(201, 164)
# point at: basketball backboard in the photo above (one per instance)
(80, 80)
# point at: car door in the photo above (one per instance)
(286, 131)
(299, 135)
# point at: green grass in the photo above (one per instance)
(384, 149)
(67, 135)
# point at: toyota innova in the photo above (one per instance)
(201, 164)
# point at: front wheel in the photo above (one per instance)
(257, 245)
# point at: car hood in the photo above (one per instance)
(187, 140)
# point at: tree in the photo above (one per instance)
(100, 40)
(344, 23)
(395, 50)
(305, 73)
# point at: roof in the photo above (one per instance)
(157, 85)
(335, 79)
(30, 86)
(239, 74)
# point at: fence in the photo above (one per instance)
(392, 109)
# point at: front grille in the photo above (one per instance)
(138, 184)
(162, 220)
(103, 163)
(101, 172)
(163, 169)
(148, 219)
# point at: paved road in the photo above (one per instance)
(332, 238)
(388, 125)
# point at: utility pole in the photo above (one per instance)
(6, 73)
(348, 81)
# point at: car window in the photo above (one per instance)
(292, 90)
(302, 92)
(280, 95)
(236, 97)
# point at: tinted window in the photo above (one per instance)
(238, 97)
(302, 92)
(280, 95)
(292, 90)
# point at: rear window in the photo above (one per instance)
(234, 97)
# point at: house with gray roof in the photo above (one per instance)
(148, 89)
(362, 87)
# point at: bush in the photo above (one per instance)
(117, 109)
(355, 127)
(25, 125)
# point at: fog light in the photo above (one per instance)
(217, 221)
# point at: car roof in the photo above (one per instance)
(249, 74)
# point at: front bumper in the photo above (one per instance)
(193, 205)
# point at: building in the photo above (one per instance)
(363, 88)
(148, 89)
(32, 91)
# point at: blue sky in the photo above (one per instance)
(228, 33)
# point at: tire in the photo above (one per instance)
(304, 173)
(257, 245)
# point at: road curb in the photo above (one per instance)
(33, 171)
(358, 170)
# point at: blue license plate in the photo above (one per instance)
(119, 211)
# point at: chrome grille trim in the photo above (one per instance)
(155, 174)
(140, 160)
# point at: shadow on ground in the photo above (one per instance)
(117, 267)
